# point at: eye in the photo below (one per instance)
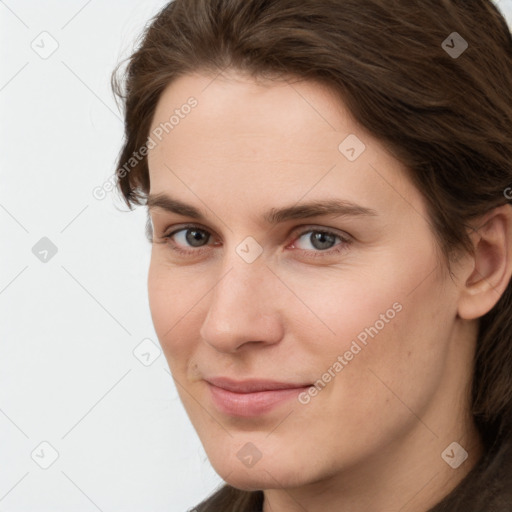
(321, 241)
(188, 236)
(194, 237)
(193, 240)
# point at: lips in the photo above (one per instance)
(251, 386)
(250, 398)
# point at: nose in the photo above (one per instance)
(244, 308)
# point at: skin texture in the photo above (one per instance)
(372, 438)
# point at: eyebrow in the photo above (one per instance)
(334, 207)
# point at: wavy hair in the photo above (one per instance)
(447, 117)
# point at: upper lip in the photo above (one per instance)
(251, 385)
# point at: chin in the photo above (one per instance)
(265, 474)
(254, 482)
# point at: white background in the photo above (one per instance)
(69, 326)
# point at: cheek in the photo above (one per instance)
(400, 366)
(171, 304)
(392, 326)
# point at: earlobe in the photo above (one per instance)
(490, 268)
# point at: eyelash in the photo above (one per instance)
(345, 241)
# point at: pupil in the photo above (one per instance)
(194, 236)
(325, 240)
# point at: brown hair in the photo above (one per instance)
(447, 117)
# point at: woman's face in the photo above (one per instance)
(303, 257)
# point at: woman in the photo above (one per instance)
(331, 268)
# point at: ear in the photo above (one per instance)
(488, 272)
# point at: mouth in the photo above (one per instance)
(251, 398)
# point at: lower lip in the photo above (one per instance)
(251, 404)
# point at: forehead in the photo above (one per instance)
(235, 111)
(267, 139)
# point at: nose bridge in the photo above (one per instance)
(245, 274)
(240, 308)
